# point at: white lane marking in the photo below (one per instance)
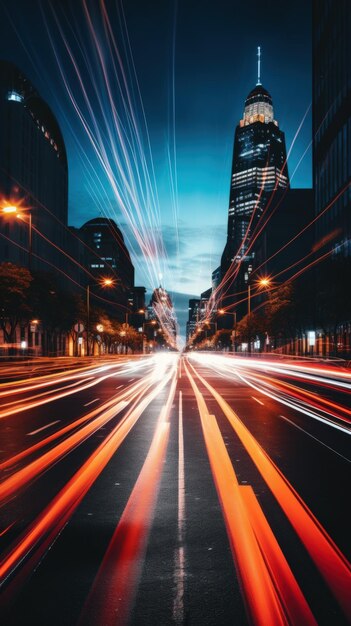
(34, 432)
(257, 400)
(179, 573)
(296, 407)
(91, 401)
(119, 386)
(131, 380)
(315, 438)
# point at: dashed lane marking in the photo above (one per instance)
(92, 401)
(38, 430)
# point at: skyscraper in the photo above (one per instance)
(332, 122)
(331, 109)
(33, 174)
(259, 168)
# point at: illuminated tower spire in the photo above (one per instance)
(258, 65)
(258, 170)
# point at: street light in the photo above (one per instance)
(104, 282)
(233, 313)
(11, 209)
(145, 324)
(262, 282)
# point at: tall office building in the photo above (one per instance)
(332, 122)
(106, 255)
(33, 174)
(259, 168)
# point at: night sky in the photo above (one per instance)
(195, 63)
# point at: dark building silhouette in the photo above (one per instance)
(332, 122)
(332, 173)
(33, 174)
(106, 256)
(106, 253)
(290, 214)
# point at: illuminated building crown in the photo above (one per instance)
(258, 104)
(258, 107)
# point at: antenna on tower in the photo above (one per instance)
(258, 65)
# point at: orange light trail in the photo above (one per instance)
(332, 564)
(115, 584)
(57, 513)
(269, 587)
(115, 402)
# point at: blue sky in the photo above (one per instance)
(195, 62)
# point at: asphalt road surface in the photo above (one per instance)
(154, 490)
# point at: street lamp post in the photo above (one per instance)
(88, 317)
(105, 282)
(30, 241)
(145, 324)
(262, 282)
(13, 210)
(234, 332)
(233, 313)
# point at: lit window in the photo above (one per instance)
(14, 96)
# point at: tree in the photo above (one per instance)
(56, 308)
(280, 313)
(14, 298)
(249, 328)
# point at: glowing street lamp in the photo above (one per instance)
(107, 282)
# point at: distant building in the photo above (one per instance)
(193, 317)
(106, 255)
(332, 122)
(137, 307)
(137, 298)
(33, 174)
(216, 278)
(161, 310)
(205, 296)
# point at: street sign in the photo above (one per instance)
(79, 327)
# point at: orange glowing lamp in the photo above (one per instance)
(9, 209)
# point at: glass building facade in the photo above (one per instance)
(332, 122)
(33, 174)
(258, 169)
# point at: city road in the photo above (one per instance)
(204, 489)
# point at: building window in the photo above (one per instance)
(14, 96)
